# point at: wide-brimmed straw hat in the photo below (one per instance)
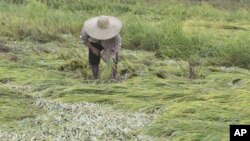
(103, 27)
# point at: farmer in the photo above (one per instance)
(101, 36)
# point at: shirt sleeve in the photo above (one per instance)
(118, 41)
(111, 47)
(84, 36)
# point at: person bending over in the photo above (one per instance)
(102, 37)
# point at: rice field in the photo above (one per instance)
(46, 86)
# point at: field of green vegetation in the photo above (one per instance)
(183, 71)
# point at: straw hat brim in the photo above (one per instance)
(94, 31)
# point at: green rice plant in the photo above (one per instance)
(221, 4)
(153, 26)
(14, 104)
(235, 53)
(15, 1)
(38, 22)
(106, 73)
(135, 33)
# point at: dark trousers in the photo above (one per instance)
(94, 61)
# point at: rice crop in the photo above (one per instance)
(41, 56)
(154, 26)
(82, 121)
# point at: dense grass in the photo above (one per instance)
(153, 26)
(41, 57)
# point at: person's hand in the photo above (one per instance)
(93, 49)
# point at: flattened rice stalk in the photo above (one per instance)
(107, 71)
(81, 121)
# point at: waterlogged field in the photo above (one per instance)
(47, 93)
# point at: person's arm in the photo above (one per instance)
(111, 47)
(115, 44)
(93, 49)
(84, 37)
